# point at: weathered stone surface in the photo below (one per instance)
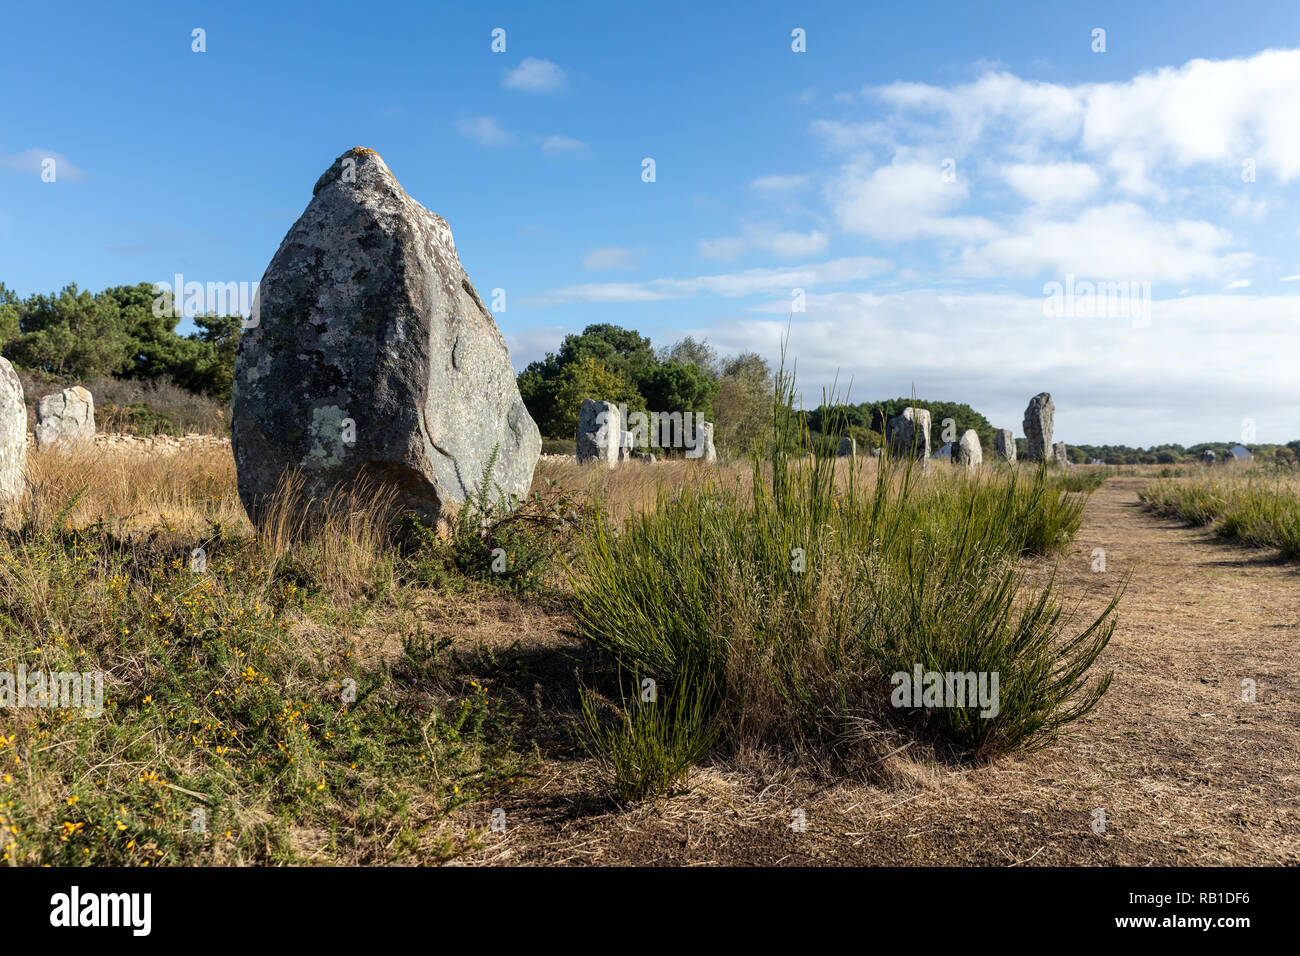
(848, 448)
(909, 433)
(1208, 456)
(1004, 444)
(65, 418)
(967, 451)
(600, 433)
(1059, 453)
(1038, 427)
(643, 457)
(13, 435)
(370, 351)
(700, 446)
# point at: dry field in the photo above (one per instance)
(1184, 771)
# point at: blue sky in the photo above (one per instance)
(923, 172)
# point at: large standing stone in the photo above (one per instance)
(1004, 445)
(370, 351)
(1060, 453)
(1038, 427)
(65, 418)
(700, 446)
(13, 435)
(600, 433)
(848, 448)
(967, 451)
(909, 433)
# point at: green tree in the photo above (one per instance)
(10, 313)
(742, 407)
(690, 352)
(674, 387)
(73, 334)
(583, 379)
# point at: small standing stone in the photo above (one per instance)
(968, 451)
(600, 433)
(65, 418)
(1038, 427)
(1060, 454)
(13, 436)
(848, 448)
(909, 433)
(1004, 445)
(701, 447)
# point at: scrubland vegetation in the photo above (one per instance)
(285, 694)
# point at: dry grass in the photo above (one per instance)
(1186, 771)
(186, 492)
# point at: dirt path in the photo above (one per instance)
(1184, 770)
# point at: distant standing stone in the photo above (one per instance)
(1060, 453)
(65, 418)
(13, 436)
(909, 433)
(1004, 445)
(848, 448)
(600, 433)
(700, 448)
(968, 451)
(1038, 427)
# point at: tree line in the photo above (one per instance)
(78, 335)
(74, 334)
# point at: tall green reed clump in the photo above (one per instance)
(801, 596)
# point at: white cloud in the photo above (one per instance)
(1111, 242)
(1052, 184)
(1205, 112)
(1112, 381)
(32, 161)
(483, 130)
(535, 76)
(1237, 284)
(905, 200)
(609, 257)
(728, 285)
(557, 144)
(776, 242)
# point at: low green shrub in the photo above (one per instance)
(801, 596)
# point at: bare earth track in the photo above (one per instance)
(1184, 770)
